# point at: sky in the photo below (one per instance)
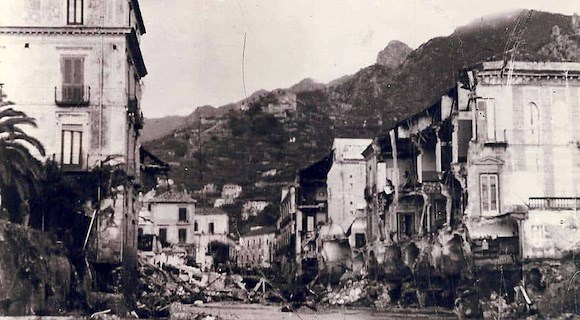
(193, 49)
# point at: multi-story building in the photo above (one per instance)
(170, 216)
(255, 249)
(76, 67)
(303, 208)
(497, 153)
(523, 156)
(346, 182)
(210, 236)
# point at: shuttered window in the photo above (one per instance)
(72, 79)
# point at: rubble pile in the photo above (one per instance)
(362, 292)
(158, 288)
(497, 307)
(554, 286)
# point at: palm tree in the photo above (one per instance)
(19, 170)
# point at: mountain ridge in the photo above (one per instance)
(307, 116)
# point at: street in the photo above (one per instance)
(261, 312)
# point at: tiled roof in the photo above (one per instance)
(173, 197)
(209, 211)
(260, 231)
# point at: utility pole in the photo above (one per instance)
(200, 159)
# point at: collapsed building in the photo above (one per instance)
(466, 193)
(485, 177)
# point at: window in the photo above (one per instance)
(310, 223)
(182, 214)
(72, 69)
(182, 235)
(486, 114)
(406, 224)
(139, 232)
(360, 240)
(74, 12)
(489, 193)
(163, 235)
(195, 226)
(211, 228)
(71, 145)
(149, 207)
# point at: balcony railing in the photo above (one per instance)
(72, 96)
(563, 203)
(134, 113)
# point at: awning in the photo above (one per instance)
(502, 227)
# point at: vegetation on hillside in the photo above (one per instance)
(358, 106)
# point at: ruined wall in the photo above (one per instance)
(35, 275)
(550, 234)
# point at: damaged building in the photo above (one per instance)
(485, 177)
(76, 67)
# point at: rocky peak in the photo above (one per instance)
(394, 54)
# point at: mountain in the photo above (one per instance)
(394, 54)
(307, 84)
(160, 127)
(287, 129)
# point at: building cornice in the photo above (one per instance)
(524, 66)
(65, 30)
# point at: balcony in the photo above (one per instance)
(72, 96)
(563, 203)
(134, 113)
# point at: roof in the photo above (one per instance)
(260, 231)
(318, 170)
(137, 9)
(150, 162)
(350, 149)
(206, 211)
(136, 54)
(173, 197)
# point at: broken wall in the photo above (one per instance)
(550, 234)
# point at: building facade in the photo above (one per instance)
(346, 182)
(255, 249)
(76, 67)
(210, 237)
(170, 216)
(524, 156)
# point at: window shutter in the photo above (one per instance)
(464, 136)
(67, 71)
(78, 71)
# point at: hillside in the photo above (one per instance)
(243, 145)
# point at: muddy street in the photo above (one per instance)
(240, 311)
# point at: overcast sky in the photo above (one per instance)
(193, 48)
